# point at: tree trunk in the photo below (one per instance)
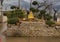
(55, 18)
(19, 4)
(30, 3)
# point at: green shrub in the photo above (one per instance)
(21, 15)
(47, 17)
(14, 15)
(12, 20)
(50, 23)
(39, 16)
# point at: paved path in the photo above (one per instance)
(33, 39)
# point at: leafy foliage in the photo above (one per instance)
(39, 16)
(33, 9)
(12, 20)
(14, 7)
(14, 15)
(42, 14)
(44, 4)
(50, 23)
(35, 3)
(19, 13)
(48, 17)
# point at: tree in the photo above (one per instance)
(45, 3)
(14, 7)
(30, 3)
(1, 1)
(46, 6)
(42, 14)
(19, 3)
(48, 17)
(35, 3)
(55, 17)
(34, 10)
(14, 15)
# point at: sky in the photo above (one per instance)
(24, 3)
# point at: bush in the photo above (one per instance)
(21, 15)
(50, 23)
(14, 15)
(39, 16)
(12, 20)
(47, 17)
